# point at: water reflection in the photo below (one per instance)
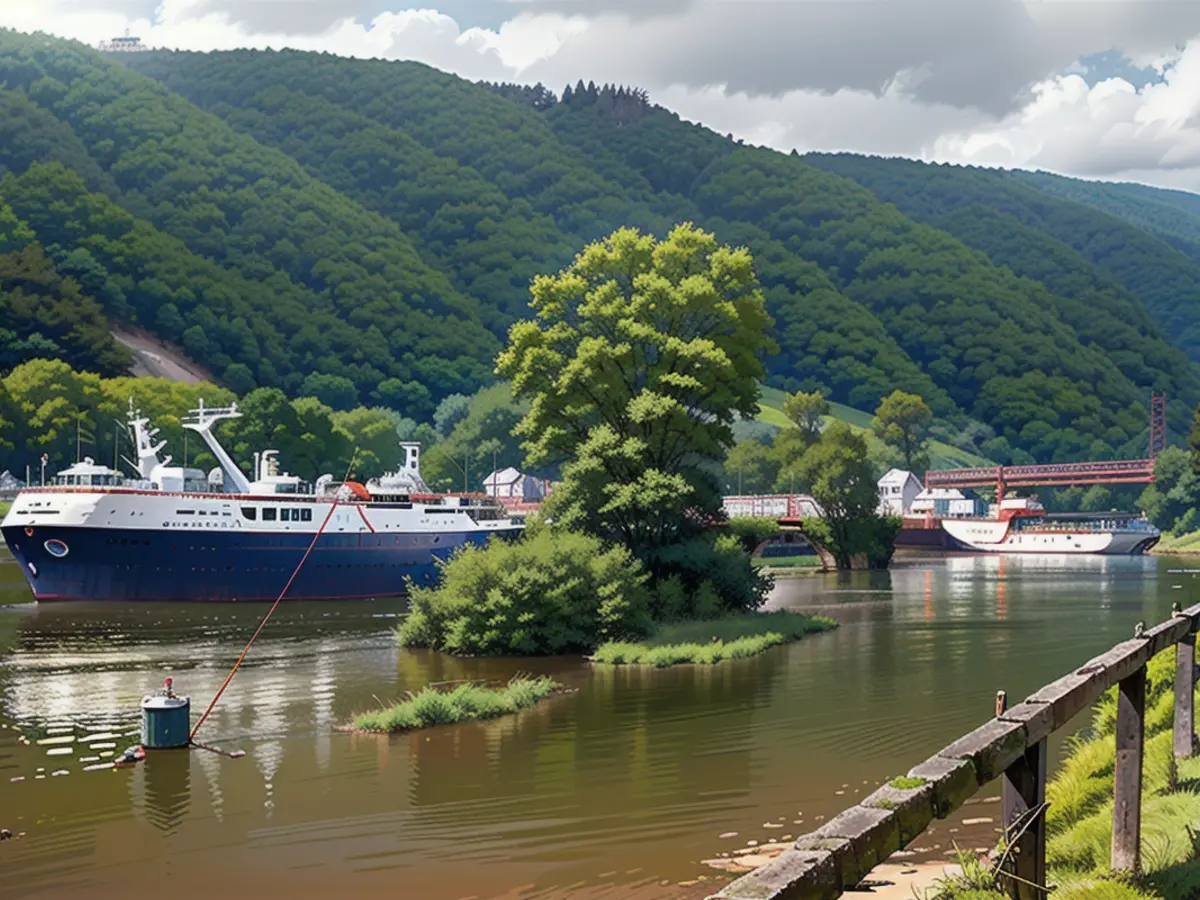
(621, 785)
(162, 788)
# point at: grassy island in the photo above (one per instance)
(467, 702)
(708, 642)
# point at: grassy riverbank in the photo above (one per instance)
(805, 561)
(714, 640)
(1079, 816)
(465, 703)
(1185, 544)
(5, 506)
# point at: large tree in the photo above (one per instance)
(843, 483)
(640, 357)
(902, 420)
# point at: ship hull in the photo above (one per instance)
(210, 565)
(995, 537)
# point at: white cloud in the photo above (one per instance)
(991, 82)
(1109, 130)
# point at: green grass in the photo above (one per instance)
(713, 640)
(5, 506)
(942, 455)
(1189, 542)
(805, 561)
(1080, 811)
(465, 703)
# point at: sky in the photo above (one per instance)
(1104, 89)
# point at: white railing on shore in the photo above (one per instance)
(774, 506)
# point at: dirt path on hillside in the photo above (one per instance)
(159, 359)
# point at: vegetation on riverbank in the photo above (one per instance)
(551, 592)
(5, 506)
(806, 561)
(713, 640)
(1184, 544)
(1079, 815)
(467, 702)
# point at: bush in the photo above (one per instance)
(872, 536)
(706, 576)
(753, 530)
(552, 592)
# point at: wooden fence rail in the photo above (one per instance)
(840, 854)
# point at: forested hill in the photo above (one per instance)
(365, 232)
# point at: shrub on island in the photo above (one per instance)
(551, 592)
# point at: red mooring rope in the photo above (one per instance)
(237, 665)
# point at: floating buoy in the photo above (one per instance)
(166, 720)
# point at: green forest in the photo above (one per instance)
(354, 238)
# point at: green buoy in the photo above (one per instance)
(166, 719)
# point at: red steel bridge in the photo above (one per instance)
(1117, 471)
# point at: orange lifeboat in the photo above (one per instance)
(358, 490)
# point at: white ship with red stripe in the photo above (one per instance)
(1021, 525)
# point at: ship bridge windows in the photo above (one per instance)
(268, 514)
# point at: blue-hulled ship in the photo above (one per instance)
(176, 533)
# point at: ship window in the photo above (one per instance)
(269, 514)
(185, 512)
(306, 515)
(250, 512)
(285, 515)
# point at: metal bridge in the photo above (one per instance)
(1117, 471)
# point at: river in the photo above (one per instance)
(617, 790)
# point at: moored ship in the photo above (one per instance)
(1021, 525)
(175, 533)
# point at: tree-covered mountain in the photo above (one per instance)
(365, 232)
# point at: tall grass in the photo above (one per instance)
(1080, 812)
(467, 702)
(712, 640)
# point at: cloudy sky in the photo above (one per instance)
(1096, 88)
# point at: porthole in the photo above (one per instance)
(56, 548)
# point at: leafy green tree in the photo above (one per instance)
(843, 484)
(450, 412)
(640, 357)
(332, 390)
(902, 421)
(1173, 500)
(750, 468)
(807, 412)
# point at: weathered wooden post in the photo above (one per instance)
(1024, 793)
(1127, 773)
(1185, 691)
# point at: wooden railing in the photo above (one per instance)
(1012, 746)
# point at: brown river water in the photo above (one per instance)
(618, 790)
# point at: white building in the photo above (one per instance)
(509, 484)
(948, 503)
(897, 491)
